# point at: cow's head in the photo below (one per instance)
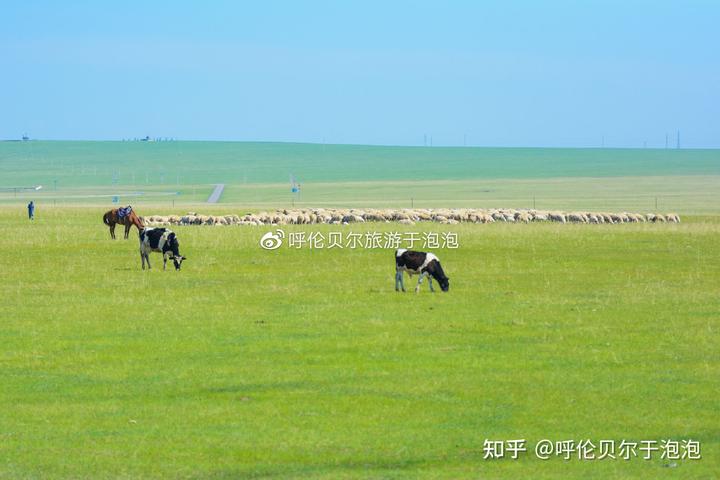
(435, 269)
(177, 261)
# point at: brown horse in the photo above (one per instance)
(111, 219)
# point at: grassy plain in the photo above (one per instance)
(306, 363)
(257, 175)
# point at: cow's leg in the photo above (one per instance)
(398, 280)
(402, 280)
(142, 259)
(430, 283)
(164, 261)
(417, 288)
(147, 259)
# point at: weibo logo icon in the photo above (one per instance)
(272, 240)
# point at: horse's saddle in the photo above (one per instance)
(124, 211)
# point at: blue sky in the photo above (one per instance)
(550, 73)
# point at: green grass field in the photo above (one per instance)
(301, 363)
(257, 176)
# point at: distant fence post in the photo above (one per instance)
(412, 202)
(533, 202)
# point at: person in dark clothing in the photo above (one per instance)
(31, 210)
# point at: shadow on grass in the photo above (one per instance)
(373, 468)
(257, 387)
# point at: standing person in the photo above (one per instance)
(31, 210)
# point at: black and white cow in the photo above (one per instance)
(420, 263)
(160, 240)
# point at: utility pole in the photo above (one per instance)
(678, 139)
(666, 141)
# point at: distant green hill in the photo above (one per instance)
(83, 164)
(257, 175)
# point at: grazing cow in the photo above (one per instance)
(160, 240)
(421, 263)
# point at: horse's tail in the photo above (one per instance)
(106, 218)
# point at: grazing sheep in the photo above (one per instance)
(576, 218)
(445, 216)
(557, 217)
(523, 217)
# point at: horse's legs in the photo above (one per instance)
(127, 230)
(112, 231)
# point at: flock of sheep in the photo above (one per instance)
(405, 216)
